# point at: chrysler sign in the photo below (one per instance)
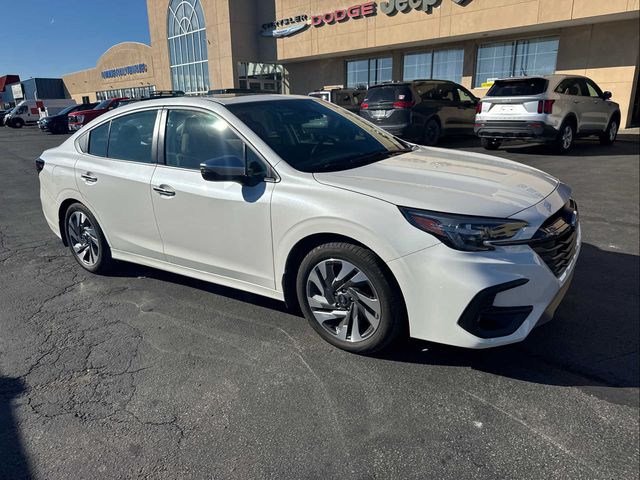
(289, 26)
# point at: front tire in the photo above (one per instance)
(86, 240)
(491, 143)
(432, 133)
(348, 299)
(611, 133)
(17, 123)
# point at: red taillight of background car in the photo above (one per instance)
(403, 104)
(546, 106)
(364, 106)
(479, 107)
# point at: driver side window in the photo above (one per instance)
(192, 138)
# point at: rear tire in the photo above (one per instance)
(348, 299)
(17, 123)
(611, 133)
(491, 143)
(432, 133)
(86, 240)
(566, 137)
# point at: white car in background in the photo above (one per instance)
(298, 200)
(553, 109)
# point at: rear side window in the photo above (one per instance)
(436, 91)
(518, 88)
(389, 94)
(570, 86)
(98, 140)
(131, 137)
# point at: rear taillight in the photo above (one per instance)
(364, 106)
(39, 165)
(479, 107)
(403, 104)
(546, 106)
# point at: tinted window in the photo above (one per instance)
(102, 105)
(131, 137)
(517, 88)
(388, 94)
(312, 136)
(194, 137)
(436, 91)
(570, 86)
(98, 140)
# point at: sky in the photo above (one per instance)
(50, 38)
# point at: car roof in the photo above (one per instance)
(227, 99)
(550, 78)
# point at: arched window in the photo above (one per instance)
(188, 46)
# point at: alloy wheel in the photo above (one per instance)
(613, 131)
(83, 239)
(343, 300)
(567, 137)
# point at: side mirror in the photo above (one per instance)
(606, 95)
(228, 168)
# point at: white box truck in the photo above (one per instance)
(28, 112)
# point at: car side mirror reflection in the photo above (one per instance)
(229, 168)
(606, 95)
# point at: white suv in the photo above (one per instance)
(552, 109)
(299, 200)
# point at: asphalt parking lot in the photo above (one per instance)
(145, 374)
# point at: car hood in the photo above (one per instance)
(448, 181)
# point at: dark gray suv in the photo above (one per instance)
(421, 110)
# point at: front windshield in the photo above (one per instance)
(68, 110)
(102, 105)
(313, 136)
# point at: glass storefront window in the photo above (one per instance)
(369, 71)
(516, 59)
(440, 65)
(133, 92)
(188, 47)
(261, 76)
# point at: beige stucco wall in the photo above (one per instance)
(448, 22)
(88, 82)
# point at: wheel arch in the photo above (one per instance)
(303, 246)
(62, 213)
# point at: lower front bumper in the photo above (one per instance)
(441, 286)
(516, 130)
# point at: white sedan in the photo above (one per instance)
(298, 200)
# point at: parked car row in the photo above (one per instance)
(553, 109)
(64, 116)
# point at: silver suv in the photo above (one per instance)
(551, 109)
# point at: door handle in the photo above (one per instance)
(165, 191)
(89, 177)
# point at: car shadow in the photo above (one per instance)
(13, 459)
(591, 342)
(131, 270)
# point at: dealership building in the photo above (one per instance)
(297, 46)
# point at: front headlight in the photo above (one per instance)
(461, 232)
(80, 118)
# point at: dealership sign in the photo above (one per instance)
(288, 26)
(124, 71)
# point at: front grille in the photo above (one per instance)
(556, 240)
